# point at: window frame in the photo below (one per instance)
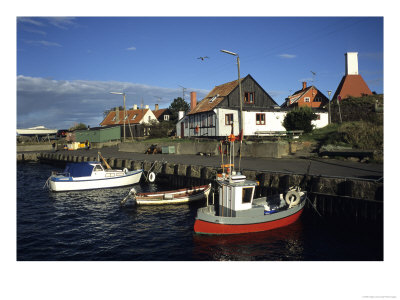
(261, 122)
(247, 97)
(227, 121)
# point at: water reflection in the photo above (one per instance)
(280, 244)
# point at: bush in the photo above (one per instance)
(161, 129)
(300, 119)
(361, 135)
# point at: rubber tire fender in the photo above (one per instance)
(291, 194)
(125, 170)
(152, 177)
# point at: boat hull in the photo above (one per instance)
(207, 223)
(60, 184)
(178, 198)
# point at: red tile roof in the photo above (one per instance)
(159, 112)
(352, 85)
(134, 117)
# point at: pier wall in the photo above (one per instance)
(262, 149)
(351, 199)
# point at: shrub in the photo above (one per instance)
(300, 119)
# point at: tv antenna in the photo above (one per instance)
(183, 92)
(313, 73)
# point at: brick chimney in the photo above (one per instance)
(304, 85)
(156, 107)
(193, 101)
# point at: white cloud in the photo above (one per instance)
(62, 22)
(30, 21)
(131, 48)
(43, 43)
(61, 103)
(287, 55)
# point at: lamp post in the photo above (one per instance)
(329, 106)
(240, 89)
(119, 93)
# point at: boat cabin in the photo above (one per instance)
(235, 195)
(90, 169)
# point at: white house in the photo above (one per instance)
(217, 115)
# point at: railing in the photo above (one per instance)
(279, 133)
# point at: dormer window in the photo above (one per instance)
(306, 99)
(134, 117)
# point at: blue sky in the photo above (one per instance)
(66, 66)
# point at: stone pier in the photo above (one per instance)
(340, 198)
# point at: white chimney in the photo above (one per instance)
(181, 114)
(135, 106)
(351, 63)
(146, 107)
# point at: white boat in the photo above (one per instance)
(179, 196)
(38, 130)
(91, 175)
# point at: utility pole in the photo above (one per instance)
(329, 106)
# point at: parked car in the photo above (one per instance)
(62, 133)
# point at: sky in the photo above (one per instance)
(67, 66)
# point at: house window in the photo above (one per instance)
(134, 117)
(260, 119)
(318, 117)
(306, 99)
(204, 121)
(213, 98)
(317, 99)
(186, 123)
(249, 97)
(192, 122)
(149, 119)
(166, 117)
(210, 120)
(228, 119)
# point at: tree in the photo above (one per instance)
(300, 119)
(178, 105)
(79, 126)
(106, 112)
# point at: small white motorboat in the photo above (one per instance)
(91, 175)
(170, 197)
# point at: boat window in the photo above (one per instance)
(98, 168)
(247, 193)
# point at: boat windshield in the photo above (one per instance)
(247, 194)
(97, 168)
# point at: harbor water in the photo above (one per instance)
(92, 226)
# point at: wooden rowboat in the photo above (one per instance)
(191, 194)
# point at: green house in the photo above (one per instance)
(98, 134)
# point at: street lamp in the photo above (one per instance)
(329, 107)
(240, 89)
(119, 93)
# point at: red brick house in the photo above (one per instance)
(307, 96)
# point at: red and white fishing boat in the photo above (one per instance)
(238, 212)
(179, 196)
